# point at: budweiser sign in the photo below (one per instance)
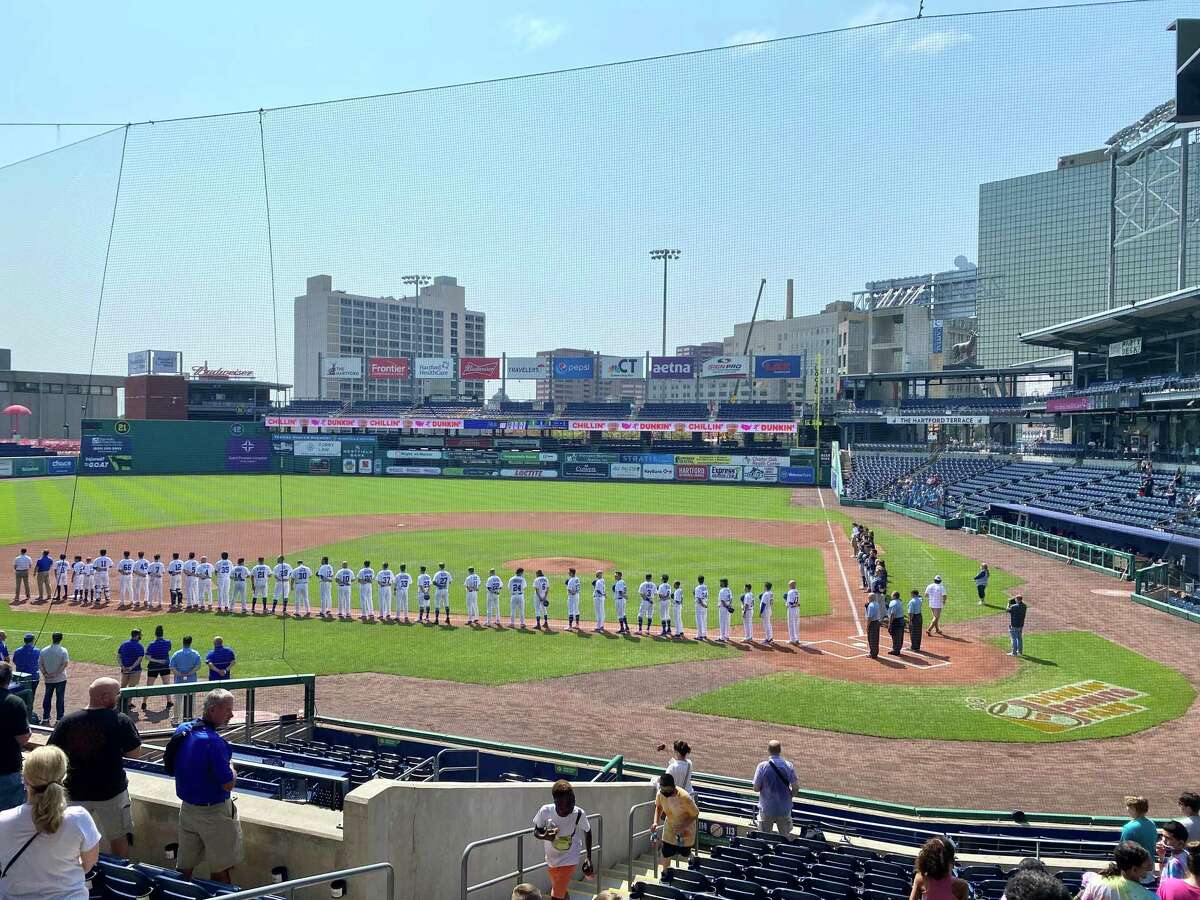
(220, 374)
(479, 368)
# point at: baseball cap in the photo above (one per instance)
(30, 636)
(937, 578)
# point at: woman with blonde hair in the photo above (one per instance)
(46, 847)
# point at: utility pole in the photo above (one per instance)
(665, 255)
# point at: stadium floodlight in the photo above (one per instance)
(417, 282)
(665, 256)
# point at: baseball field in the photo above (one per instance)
(963, 687)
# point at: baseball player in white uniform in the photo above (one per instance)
(599, 600)
(124, 582)
(748, 614)
(62, 577)
(89, 580)
(664, 604)
(424, 586)
(204, 577)
(239, 576)
(403, 582)
(573, 588)
(258, 585)
(494, 586)
(620, 599)
(102, 567)
(766, 609)
(283, 584)
(516, 602)
(301, 576)
(223, 569)
(677, 598)
(724, 610)
(344, 578)
(141, 581)
(701, 596)
(77, 580)
(441, 596)
(175, 580)
(325, 578)
(541, 600)
(792, 599)
(366, 580)
(386, 579)
(646, 604)
(191, 584)
(471, 585)
(154, 575)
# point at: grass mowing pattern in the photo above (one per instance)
(942, 713)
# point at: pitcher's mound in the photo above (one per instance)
(559, 565)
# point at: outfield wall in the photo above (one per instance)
(158, 447)
(35, 466)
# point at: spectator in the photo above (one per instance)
(4, 646)
(1172, 850)
(185, 665)
(526, 892)
(1016, 624)
(220, 660)
(1189, 808)
(27, 660)
(47, 846)
(53, 663)
(564, 827)
(14, 737)
(680, 767)
(1122, 880)
(199, 759)
(1187, 887)
(610, 894)
(129, 656)
(97, 740)
(21, 566)
(1035, 884)
(678, 814)
(1140, 829)
(981, 581)
(935, 873)
(776, 784)
(158, 664)
(42, 567)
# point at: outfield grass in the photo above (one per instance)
(944, 713)
(34, 509)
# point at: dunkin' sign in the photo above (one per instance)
(388, 368)
(479, 368)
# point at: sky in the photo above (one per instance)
(835, 159)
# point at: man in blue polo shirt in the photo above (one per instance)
(25, 659)
(42, 567)
(220, 660)
(209, 829)
(185, 664)
(129, 656)
(776, 784)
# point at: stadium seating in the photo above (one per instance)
(756, 412)
(310, 408)
(873, 475)
(522, 407)
(673, 411)
(114, 878)
(597, 410)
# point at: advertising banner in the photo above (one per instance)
(574, 368)
(405, 440)
(725, 367)
(60, 465)
(760, 474)
(797, 475)
(621, 367)
(724, 473)
(1066, 404)
(5, 468)
(939, 335)
(389, 368)
(479, 368)
(349, 466)
(481, 424)
(366, 466)
(139, 362)
(104, 454)
(518, 443)
(528, 473)
(625, 470)
(658, 472)
(248, 454)
(702, 460)
(521, 457)
(434, 367)
(691, 473)
(643, 458)
(414, 454)
(672, 367)
(765, 461)
(342, 367)
(166, 362)
(316, 448)
(591, 457)
(484, 443)
(779, 366)
(412, 470)
(318, 466)
(527, 368)
(472, 456)
(939, 420)
(585, 470)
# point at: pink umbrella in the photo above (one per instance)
(16, 410)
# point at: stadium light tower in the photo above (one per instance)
(665, 256)
(417, 281)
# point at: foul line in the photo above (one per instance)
(837, 554)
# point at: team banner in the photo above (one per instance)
(342, 367)
(389, 368)
(139, 362)
(725, 367)
(672, 367)
(435, 367)
(479, 368)
(621, 367)
(574, 368)
(937, 420)
(527, 368)
(779, 366)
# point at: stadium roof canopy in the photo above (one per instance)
(1162, 315)
(1048, 366)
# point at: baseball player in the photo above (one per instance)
(62, 577)
(124, 582)
(441, 596)
(620, 598)
(283, 584)
(258, 585)
(301, 576)
(677, 598)
(76, 580)
(89, 581)
(175, 580)
(366, 578)
(204, 576)
(516, 607)
(191, 584)
(424, 584)
(102, 567)
(646, 605)
(403, 582)
(239, 575)
(471, 584)
(154, 575)
(386, 579)
(724, 609)
(344, 578)
(792, 599)
(541, 600)
(325, 578)
(766, 609)
(493, 586)
(701, 596)
(141, 581)
(599, 600)
(573, 587)
(223, 570)
(664, 604)
(748, 613)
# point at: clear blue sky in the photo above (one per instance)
(834, 159)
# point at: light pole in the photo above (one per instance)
(665, 255)
(417, 281)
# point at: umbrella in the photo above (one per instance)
(16, 410)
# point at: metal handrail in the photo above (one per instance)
(519, 875)
(288, 888)
(633, 836)
(407, 773)
(616, 764)
(438, 768)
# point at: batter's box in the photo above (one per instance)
(833, 647)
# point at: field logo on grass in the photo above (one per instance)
(1067, 707)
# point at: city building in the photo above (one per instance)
(206, 393)
(56, 400)
(338, 326)
(950, 294)
(593, 390)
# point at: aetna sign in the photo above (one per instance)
(389, 368)
(672, 367)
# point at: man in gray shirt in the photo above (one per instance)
(53, 663)
(874, 621)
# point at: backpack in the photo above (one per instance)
(172, 750)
